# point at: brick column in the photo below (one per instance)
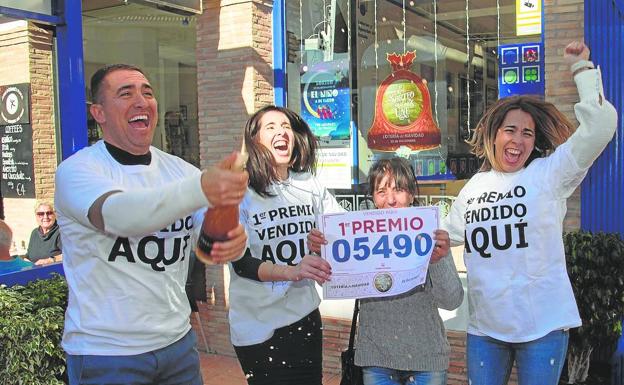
(234, 71)
(42, 112)
(564, 22)
(26, 50)
(235, 78)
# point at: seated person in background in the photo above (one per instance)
(8, 262)
(44, 246)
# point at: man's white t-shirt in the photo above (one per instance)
(126, 295)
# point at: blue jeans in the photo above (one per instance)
(374, 375)
(538, 362)
(176, 364)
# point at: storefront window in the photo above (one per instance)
(163, 45)
(420, 74)
(28, 126)
(39, 6)
(319, 80)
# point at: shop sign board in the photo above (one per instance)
(334, 167)
(521, 69)
(326, 102)
(15, 104)
(403, 119)
(17, 161)
(326, 108)
(528, 17)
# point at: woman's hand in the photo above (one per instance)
(310, 267)
(44, 261)
(575, 51)
(442, 245)
(315, 240)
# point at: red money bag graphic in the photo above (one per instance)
(403, 114)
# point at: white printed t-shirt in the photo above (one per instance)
(126, 295)
(277, 228)
(518, 287)
(511, 225)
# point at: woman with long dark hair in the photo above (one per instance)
(275, 323)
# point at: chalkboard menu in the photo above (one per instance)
(17, 161)
(16, 139)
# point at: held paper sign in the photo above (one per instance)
(378, 253)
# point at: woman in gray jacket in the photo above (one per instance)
(401, 339)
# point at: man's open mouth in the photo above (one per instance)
(139, 121)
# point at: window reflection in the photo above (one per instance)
(163, 45)
(455, 44)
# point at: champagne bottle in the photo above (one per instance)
(218, 221)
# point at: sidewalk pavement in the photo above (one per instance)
(224, 370)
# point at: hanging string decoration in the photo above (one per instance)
(301, 39)
(435, 57)
(404, 29)
(468, 68)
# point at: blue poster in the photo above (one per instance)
(521, 69)
(326, 102)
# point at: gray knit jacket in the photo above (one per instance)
(405, 332)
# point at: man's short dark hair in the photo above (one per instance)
(98, 77)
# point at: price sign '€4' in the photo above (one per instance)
(403, 114)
